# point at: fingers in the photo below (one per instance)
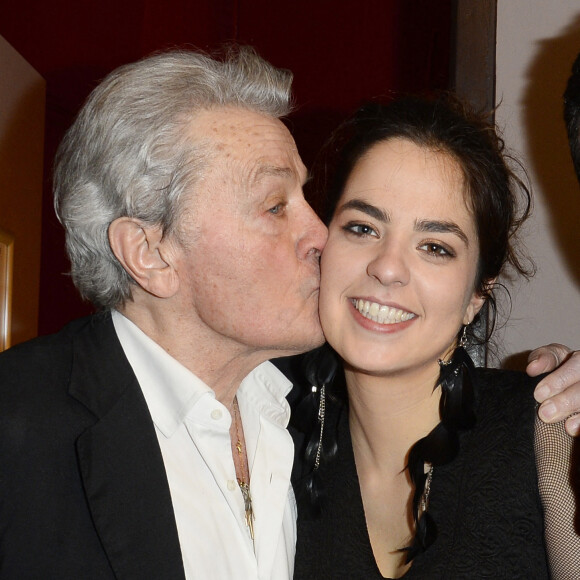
(573, 425)
(559, 393)
(547, 358)
(565, 378)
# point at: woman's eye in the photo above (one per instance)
(436, 250)
(361, 230)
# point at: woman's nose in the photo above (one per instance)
(389, 265)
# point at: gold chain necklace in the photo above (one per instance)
(244, 485)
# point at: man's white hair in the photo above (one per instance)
(128, 153)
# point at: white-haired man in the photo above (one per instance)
(181, 194)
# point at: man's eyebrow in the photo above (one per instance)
(371, 210)
(441, 227)
(273, 171)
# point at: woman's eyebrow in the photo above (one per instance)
(371, 210)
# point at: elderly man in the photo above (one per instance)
(128, 439)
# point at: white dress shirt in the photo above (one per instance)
(193, 429)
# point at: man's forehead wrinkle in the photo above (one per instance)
(253, 147)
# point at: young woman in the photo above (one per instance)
(419, 465)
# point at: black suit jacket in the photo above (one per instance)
(83, 488)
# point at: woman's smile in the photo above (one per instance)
(381, 313)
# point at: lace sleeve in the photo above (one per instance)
(559, 488)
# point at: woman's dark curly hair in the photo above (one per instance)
(499, 201)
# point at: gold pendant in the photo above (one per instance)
(244, 487)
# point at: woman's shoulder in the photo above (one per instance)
(504, 400)
(505, 383)
(506, 379)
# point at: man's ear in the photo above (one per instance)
(476, 303)
(145, 255)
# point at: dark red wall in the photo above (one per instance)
(341, 52)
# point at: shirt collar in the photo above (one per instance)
(171, 390)
(265, 389)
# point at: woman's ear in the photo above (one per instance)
(145, 254)
(476, 303)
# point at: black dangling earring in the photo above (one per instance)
(463, 340)
(310, 417)
(455, 378)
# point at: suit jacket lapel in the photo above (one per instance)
(121, 463)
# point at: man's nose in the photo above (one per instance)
(315, 234)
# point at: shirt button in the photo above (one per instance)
(216, 414)
(231, 484)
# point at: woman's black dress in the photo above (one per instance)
(485, 502)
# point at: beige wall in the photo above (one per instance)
(22, 98)
(537, 41)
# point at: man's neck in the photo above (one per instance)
(219, 363)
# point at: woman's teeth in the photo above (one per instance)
(381, 313)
